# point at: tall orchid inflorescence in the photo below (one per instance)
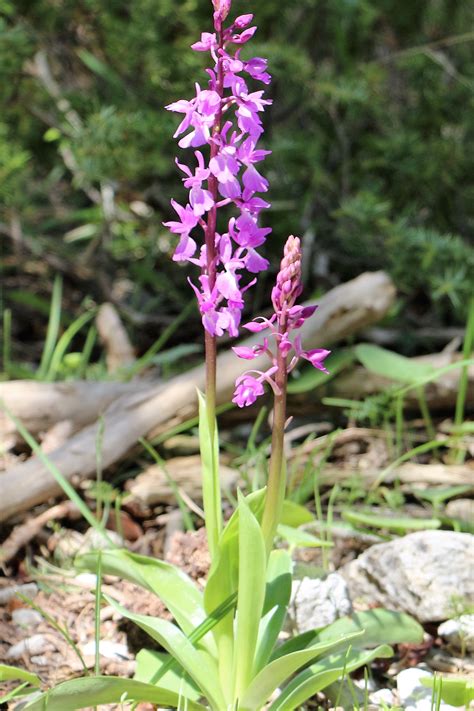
(287, 317)
(225, 116)
(284, 353)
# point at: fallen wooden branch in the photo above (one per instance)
(24, 533)
(342, 312)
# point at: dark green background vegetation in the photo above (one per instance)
(372, 133)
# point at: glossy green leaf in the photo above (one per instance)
(7, 672)
(301, 539)
(393, 523)
(200, 666)
(150, 664)
(440, 494)
(170, 584)
(312, 378)
(222, 584)
(93, 691)
(295, 515)
(316, 677)
(379, 626)
(211, 491)
(391, 365)
(454, 691)
(277, 598)
(251, 595)
(278, 671)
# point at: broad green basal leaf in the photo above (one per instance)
(170, 584)
(93, 691)
(378, 626)
(200, 666)
(150, 664)
(316, 677)
(278, 671)
(295, 515)
(392, 523)
(454, 691)
(277, 598)
(7, 673)
(251, 595)
(391, 365)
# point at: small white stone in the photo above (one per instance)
(382, 696)
(26, 617)
(86, 580)
(37, 644)
(28, 589)
(108, 649)
(459, 632)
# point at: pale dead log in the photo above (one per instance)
(41, 405)
(112, 333)
(152, 485)
(343, 311)
(24, 533)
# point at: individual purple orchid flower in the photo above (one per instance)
(288, 317)
(225, 116)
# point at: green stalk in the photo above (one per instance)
(213, 515)
(468, 347)
(276, 486)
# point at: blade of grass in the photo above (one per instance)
(98, 594)
(421, 449)
(61, 630)
(64, 343)
(99, 440)
(468, 347)
(87, 351)
(7, 340)
(54, 324)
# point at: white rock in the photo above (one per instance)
(28, 589)
(86, 580)
(26, 617)
(420, 573)
(382, 696)
(416, 697)
(316, 603)
(459, 632)
(37, 644)
(108, 649)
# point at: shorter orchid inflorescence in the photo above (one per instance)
(226, 117)
(287, 317)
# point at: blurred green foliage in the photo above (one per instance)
(372, 133)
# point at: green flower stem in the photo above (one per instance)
(209, 340)
(276, 487)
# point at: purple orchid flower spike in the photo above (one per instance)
(225, 175)
(288, 317)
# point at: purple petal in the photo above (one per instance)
(244, 352)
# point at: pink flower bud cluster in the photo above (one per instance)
(288, 317)
(226, 118)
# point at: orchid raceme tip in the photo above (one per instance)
(225, 118)
(287, 317)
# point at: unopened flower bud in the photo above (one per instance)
(222, 8)
(288, 283)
